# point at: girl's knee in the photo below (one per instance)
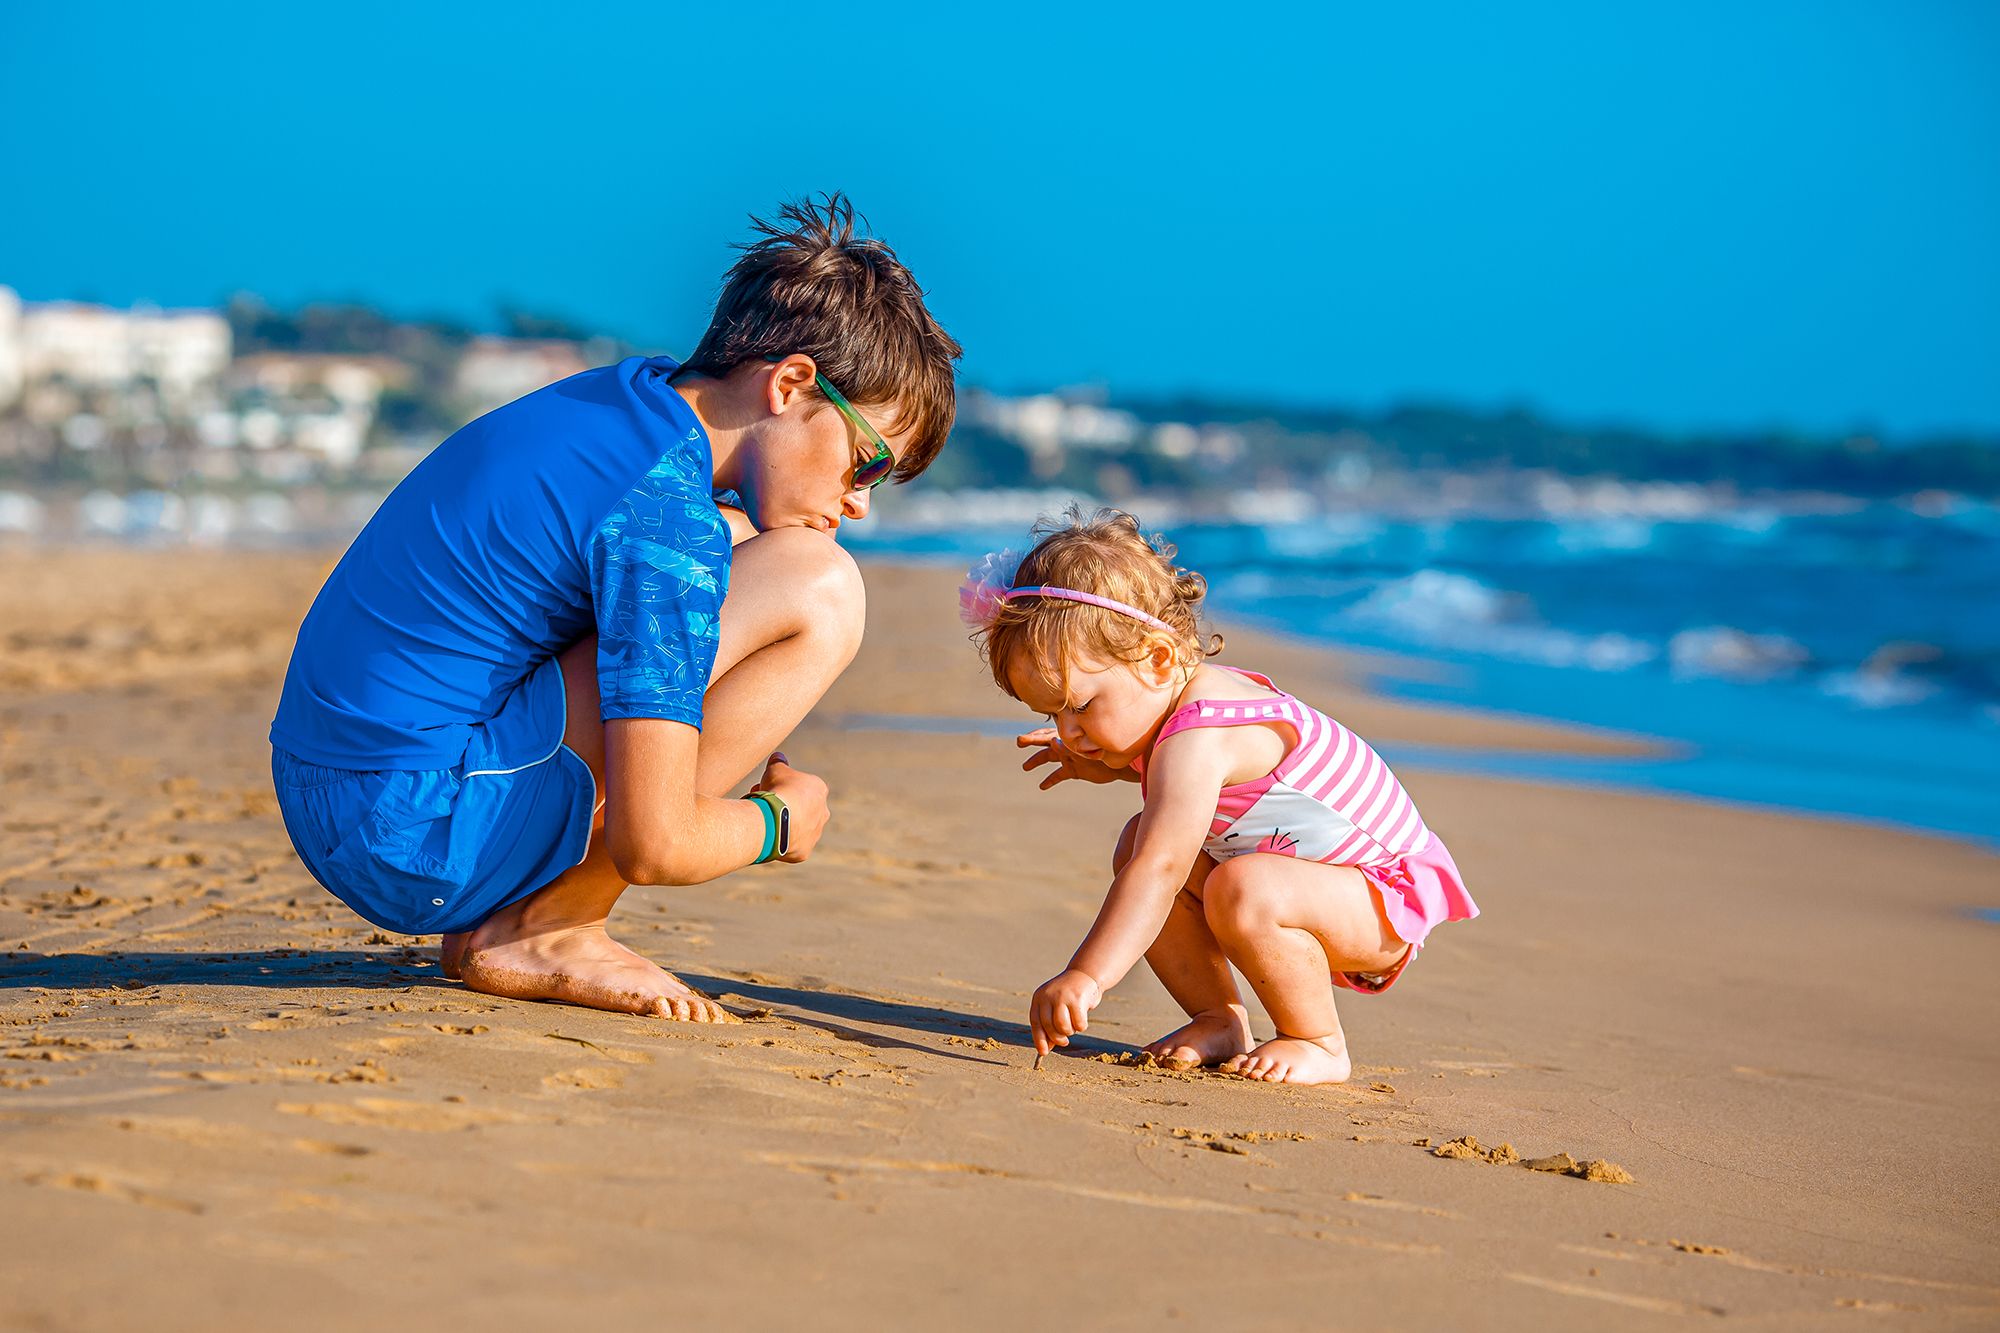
(1236, 900)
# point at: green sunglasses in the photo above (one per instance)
(868, 475)
(875, 471)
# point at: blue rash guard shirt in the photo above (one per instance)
(586, 505)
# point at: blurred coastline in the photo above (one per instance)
(1809, 623)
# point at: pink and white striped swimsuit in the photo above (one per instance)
(1331, 799)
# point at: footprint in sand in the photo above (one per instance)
(380, 1045)
(188, 1130)
(364, 1071)
(1629, 1300)
(591, 1078)
(227, 1136)
(90, 1182)
(624, 1055)
(329, 1148)
(1466, 1148)
(421, 1117)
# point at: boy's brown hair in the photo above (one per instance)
(1105, 553)
(811, 285)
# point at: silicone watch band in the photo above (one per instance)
(778, 830)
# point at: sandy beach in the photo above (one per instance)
(225, 1099)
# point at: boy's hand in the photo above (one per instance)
(805, 799)
(1049, 749)
(1061, 1009)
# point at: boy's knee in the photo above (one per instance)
(823, 579)
(840, 598)
(828, 573)
(832, 571)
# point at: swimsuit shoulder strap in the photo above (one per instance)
(1257, 676)
(1234, 712)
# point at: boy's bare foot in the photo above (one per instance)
(1296, 1060)
(451, 953)
(579, 965)
(1208, 1039)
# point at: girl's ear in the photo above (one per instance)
(1161, 660)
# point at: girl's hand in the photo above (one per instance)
(1049, 749)
(1061, 1009)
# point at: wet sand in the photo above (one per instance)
(225, 1099)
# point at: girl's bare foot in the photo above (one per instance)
(1208, 1039)
(1296, 1060)
(451, 953)
(578, 965)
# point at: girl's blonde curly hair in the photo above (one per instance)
(1105, 553)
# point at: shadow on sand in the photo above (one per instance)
(839, 1014)
(271, 969)
(836, 1013)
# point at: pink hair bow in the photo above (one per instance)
(985, 587)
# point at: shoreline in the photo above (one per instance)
(1470, 739)
(220, 1091)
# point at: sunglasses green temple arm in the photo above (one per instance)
(876, 470)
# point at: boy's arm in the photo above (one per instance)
(660, 831)
(1184, 780)
(659, 570)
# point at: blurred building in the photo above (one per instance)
(301, 409)
(158, 395)
(495, 371)
(176, 356)
(10, 348)
(124, 385)
(1046, 426)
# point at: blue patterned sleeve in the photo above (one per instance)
(659, 568)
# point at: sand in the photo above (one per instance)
(225, 1100)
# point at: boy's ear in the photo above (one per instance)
(792, 379)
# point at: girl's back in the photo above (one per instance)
(1325, 795)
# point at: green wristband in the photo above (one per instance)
(770, 827)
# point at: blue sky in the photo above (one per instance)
(1686, 215)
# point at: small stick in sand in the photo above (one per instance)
(1038, 1062)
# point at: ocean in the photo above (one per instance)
(1811, 653)
(1836, 658)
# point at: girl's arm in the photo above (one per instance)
(1183, 784)
(1184, 780)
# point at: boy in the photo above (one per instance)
(533, 677)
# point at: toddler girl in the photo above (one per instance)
(1271, 836)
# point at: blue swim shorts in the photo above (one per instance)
(432, 851)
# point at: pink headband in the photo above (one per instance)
(1089, 599)
(985, 589)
